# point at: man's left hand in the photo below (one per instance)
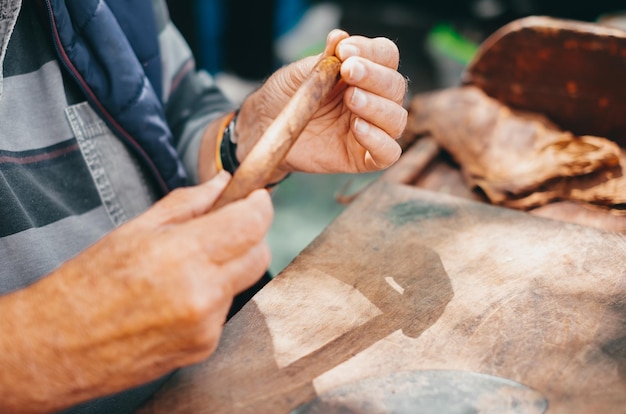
(356, 128)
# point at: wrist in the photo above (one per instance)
(251, 123)
(246, 129)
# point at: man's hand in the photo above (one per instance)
(356, 128)
(148, 298)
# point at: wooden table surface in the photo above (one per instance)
(416, 301)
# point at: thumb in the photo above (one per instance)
(332, 41)
(184, 204)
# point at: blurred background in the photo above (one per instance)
(241, 42)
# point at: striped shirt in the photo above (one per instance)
(65, 179)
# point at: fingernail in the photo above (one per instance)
(358, 98)
(357, 71)
(360, 126)
(347, 50)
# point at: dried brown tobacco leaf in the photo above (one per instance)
(516, 158)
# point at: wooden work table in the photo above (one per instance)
(418, 301)
(415, 300)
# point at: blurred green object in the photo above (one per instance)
(444, 39)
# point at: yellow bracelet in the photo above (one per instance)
(220, 136)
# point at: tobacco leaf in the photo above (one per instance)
(518, 159)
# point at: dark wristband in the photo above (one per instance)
(228, 149)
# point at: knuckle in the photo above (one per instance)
(205, 341)
(392, 155)
(263, 219)
(399, 88)
(390, 50)
(172, 201)
(400, 126)
(255, 224)
(201, 304)
(266, 198)
(207, 328)
(264, 257)
(250, 267)
(397, 154)
(177, 195)
(210, 348)
(208, 338)
(259, 217)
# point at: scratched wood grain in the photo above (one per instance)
(412, 281)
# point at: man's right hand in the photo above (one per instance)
(148, 298)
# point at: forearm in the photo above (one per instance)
(150, 297)
(39, 371)
(53, 354)
(65, 340)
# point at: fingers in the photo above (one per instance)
(223, 251)
(332, 40)
(187, 203)
(375, 78)
(375, 96)
(386, 114)
(234, 229)
(246, 270)
(379, 50)
(382, 150)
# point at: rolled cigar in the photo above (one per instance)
(258, 167)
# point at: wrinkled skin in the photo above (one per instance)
(354, 131)
(149, 297)
(153, 295)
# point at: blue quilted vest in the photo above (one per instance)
(111, 49)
